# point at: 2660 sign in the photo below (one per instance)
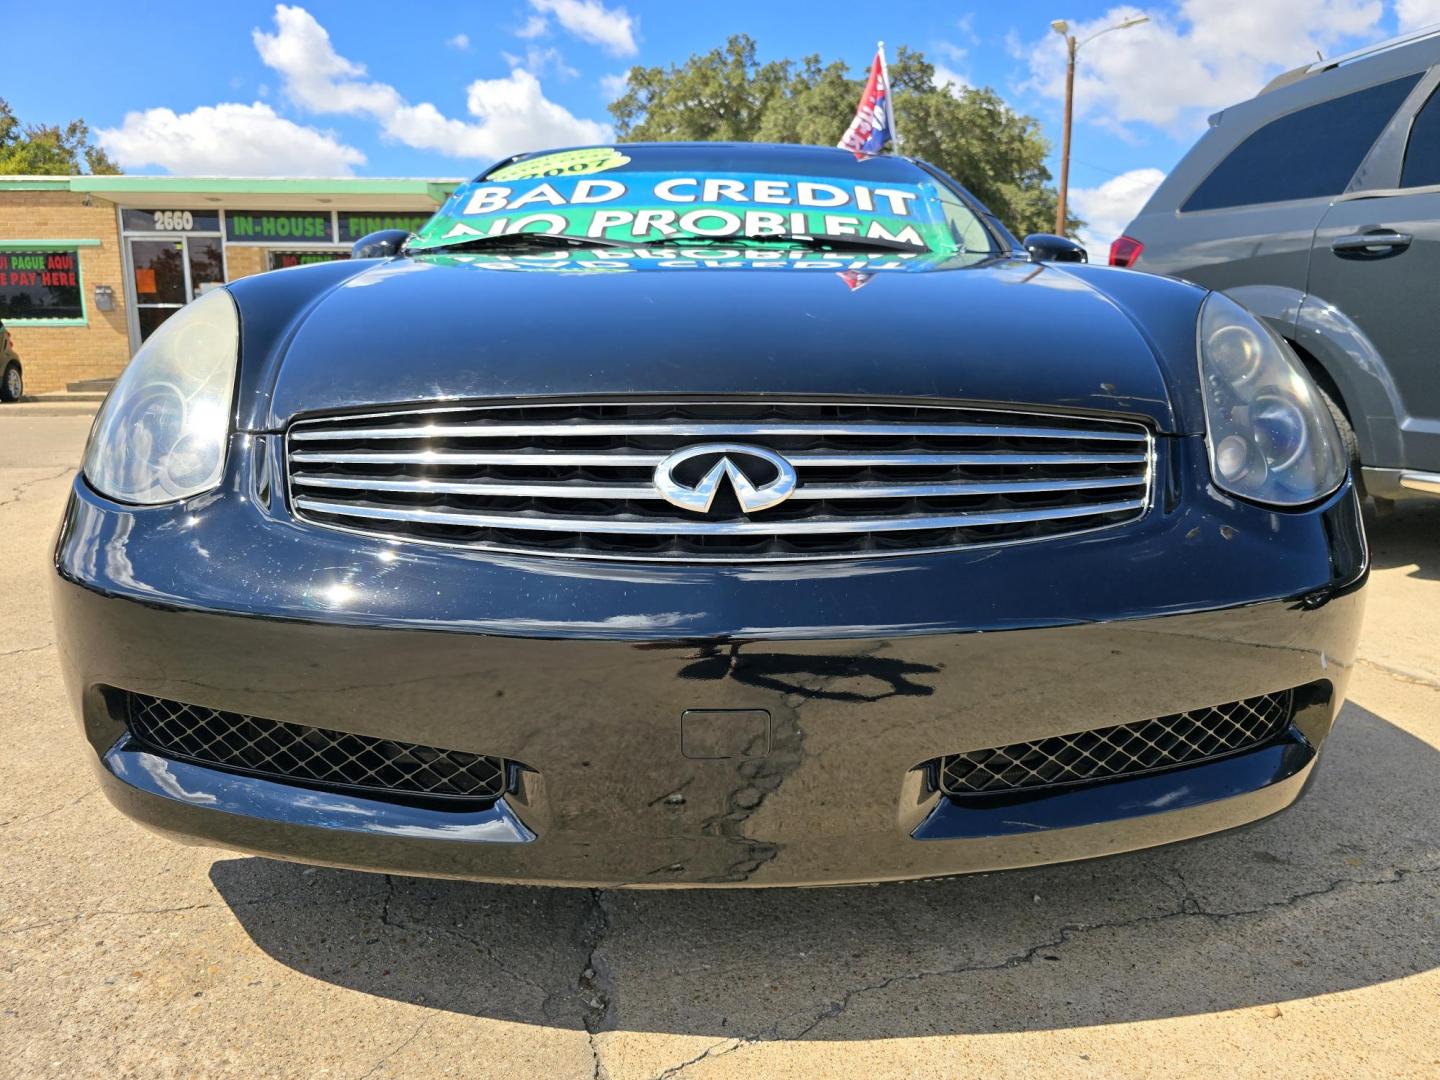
(171, 220)
(174, 219)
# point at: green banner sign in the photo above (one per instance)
(362, 223)
(271, 226)
(636, 207)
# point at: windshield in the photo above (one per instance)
(762, 196)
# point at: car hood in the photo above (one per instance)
(994, 331)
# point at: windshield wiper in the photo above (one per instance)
(548, 241)
(828, 243)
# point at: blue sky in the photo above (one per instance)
(329, 88)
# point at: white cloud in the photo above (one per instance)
(1107, 209)
(613, 87)
(951, 51)
(1174, 70)
(945, 78)
(535, 26)
(945, 75)
(459, 41)
(611, 28)
(536, 60)
(1417, 13)
(227, 140)
(512, 114)
(316, 77)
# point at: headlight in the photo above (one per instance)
(162, 432)
(1270, 436)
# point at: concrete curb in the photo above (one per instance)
(48, 408)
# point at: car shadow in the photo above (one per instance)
(1407, 537)
(1336, 894)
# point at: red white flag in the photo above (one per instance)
(873, 125)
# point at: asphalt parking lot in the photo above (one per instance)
(1307, 945)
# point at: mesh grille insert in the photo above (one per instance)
(1125, 750)
(295, 753)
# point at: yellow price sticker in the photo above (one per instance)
(566, 163)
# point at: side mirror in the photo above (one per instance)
(380, 245)
(1047, 247)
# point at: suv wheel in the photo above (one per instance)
(1347, 433)
(12, 384)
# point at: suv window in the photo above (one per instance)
(1305, 154)
(1422, 156)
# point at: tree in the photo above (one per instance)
(48, 150)
(728, 95)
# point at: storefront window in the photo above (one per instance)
(280, 260)
(40, 286)
(207, 263)
(179, 253)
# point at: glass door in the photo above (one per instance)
(161, 285)
(170, 273)
(205, 262)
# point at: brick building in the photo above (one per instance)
(90, 265)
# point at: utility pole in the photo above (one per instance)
(1072, 46)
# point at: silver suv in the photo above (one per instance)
(1316, 204)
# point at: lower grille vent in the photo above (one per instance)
(317, 757)
(1125, 750)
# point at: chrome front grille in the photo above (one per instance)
(580, 479)
(1124, 750)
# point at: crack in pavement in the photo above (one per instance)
(419, 1029)
(16, 823)
(731, 1044)
(20, 489)
(1406, 675)
(389, 896)
(599, 1072)
(387, 918)
(594, 982)
(106, 912)
(28, 648)
(1190, 907)
(597, 991)
(230, 905)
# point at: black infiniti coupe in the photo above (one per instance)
(708, 515)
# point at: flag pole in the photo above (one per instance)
(890, 98)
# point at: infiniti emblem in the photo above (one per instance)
(759, 477)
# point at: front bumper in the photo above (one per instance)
(582, 671)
